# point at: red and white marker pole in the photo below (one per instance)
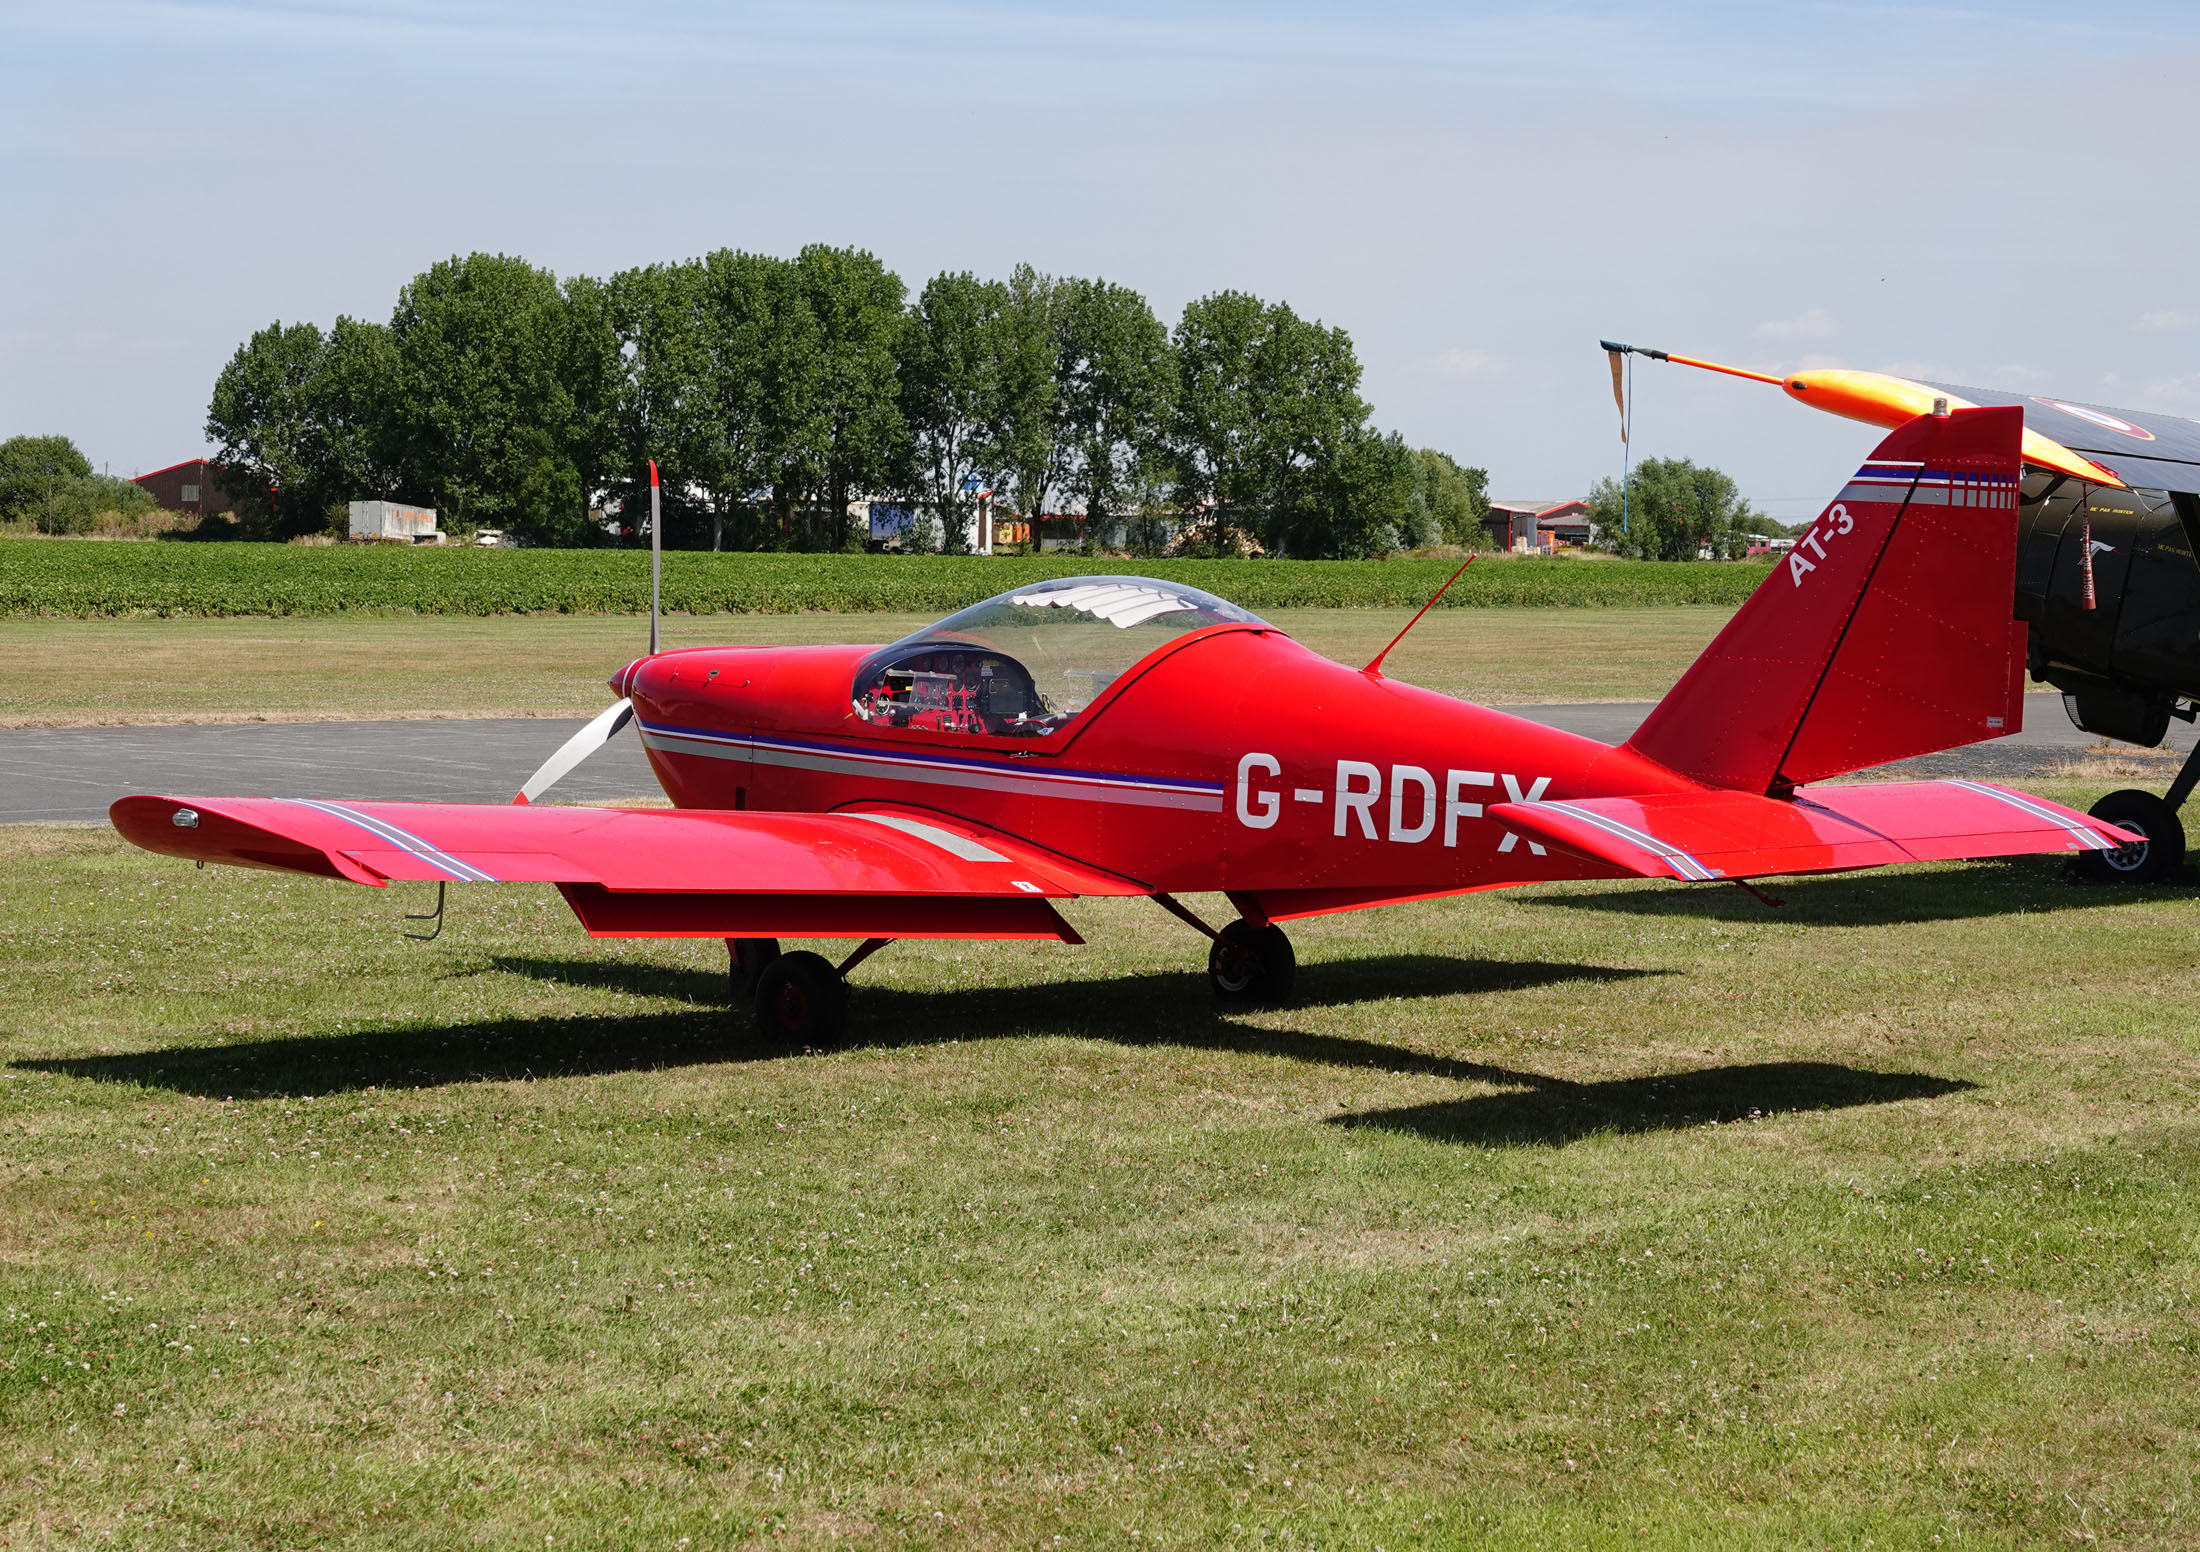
(2085, 543)
(656, 556)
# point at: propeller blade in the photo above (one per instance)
(579, 747)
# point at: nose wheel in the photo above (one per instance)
(1251, 965)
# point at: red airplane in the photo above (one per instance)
(1125, 736)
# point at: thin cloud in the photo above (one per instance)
(1467, 363)
(1815, 324)
(2164, 322)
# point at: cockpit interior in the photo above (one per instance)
(1025, 664)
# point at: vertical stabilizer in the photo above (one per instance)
(1886, 633)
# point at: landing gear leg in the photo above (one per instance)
(746, 959)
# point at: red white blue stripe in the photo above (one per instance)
(936, 769)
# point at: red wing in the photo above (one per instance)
(655, 872)
(1711, 834)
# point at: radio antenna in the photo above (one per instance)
(1376, 668)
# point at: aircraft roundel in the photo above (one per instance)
(2100, 418)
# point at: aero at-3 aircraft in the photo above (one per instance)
(2108, 530)
(1124, 736)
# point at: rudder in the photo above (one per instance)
(1886, 633)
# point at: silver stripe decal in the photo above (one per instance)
(1024, 784)
(2093, 840)
(946, 840)
(1680, 861)
(709, 741)
(404, 840)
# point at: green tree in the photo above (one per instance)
(855, 437)
(265, 417)
(950, 378)
(1674, 510)
(1264, 396)
(1026, 446)
(304, 425)
(764, 410)
(714, 362)
(1757, 524)
(1450, 501)
(1114, 381)
(38, 475)
(1351, 500)
(489, 429)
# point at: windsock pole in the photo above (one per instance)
(656, 556)
(1627, 451)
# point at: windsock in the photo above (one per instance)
(1879, 399)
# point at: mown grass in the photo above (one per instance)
(1587, 1216)
(68, 672)
(89, 581)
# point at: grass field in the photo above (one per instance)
(84, 580)
(64, 672)
(1574, 1216)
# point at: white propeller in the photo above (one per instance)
(605, 725)
(579, 747)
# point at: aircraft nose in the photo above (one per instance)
(621, 683)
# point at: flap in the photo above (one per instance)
(650, 850)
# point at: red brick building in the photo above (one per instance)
(194, 486)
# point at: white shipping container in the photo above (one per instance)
(388, 520)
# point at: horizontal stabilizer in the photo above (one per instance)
(1708, 835)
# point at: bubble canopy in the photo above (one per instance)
(1025, 663)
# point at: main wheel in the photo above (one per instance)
(1250, 964)
(747, 958)
(2143, 862)
(801, 1000)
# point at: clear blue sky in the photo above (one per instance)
(2002, 194)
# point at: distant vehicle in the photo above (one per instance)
(494, 539)
(393, 520)
(1123, 736)
(2108, 531)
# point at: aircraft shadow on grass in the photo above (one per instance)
(1550, 1112)
(1169, 1009)
(1876, 899)
(1164, 1009)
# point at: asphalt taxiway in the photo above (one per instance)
(60, 775)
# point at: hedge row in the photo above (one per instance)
(81, 579)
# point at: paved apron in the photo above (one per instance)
(62, 774)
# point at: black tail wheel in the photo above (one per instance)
(2144, 862)
(1251, 965)
(801, 1001)
(748, 959)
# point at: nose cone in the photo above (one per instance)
(1872, 397)
(622, 682)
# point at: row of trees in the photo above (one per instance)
(773, 391)
(48, 486)
(1676, 509)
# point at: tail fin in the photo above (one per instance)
(1886, 633)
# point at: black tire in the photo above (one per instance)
(746, 960)
(801, 1000)
(2149, 861)
(1251, 965)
